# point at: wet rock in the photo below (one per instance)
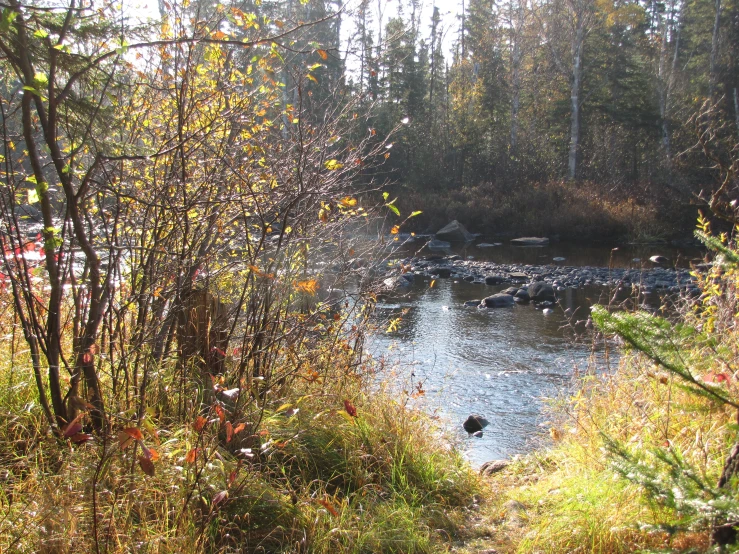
(530, 241)
(499, 300)
(486, 245)
(473, 303)
(494, 280)
(541, 291)
(661, 260)
(510, 290)
(441, 271)
(454, 232)
(475, 423)
(518, 276)
(439, 245)
(493, 466)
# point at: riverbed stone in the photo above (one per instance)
(454, 232)
(510, 290)
(475, 423)
(493, 466)
(472, 303)
(499, 300)
(530, 241)
(494, 280)
(541, 291)
(441, 271)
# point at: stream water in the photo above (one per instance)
(500, 363)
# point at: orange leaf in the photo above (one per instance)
(199, 423)
(240, 427)
(229, 431)
(395, 230)
(433, 282)
(134, 433)
(147, 466)
(310, 286)
(191, 456)
(326, 504)
(220, 413)
(124, 440)
(323, 54)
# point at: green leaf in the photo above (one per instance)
(414, 214)
(8, 17)
(40, 33)
(393, 207)
(385, 195)
(32, 196)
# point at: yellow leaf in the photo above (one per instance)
(332, 165)
(310, 286)
(395, 230)
(349, 202)
(432, 284)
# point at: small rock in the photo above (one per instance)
(493, 466)
(494, 280)
(499, 300)
(530, 241)
(486, 245)
(510, 290)
(439, 245)
(559, 259)
(477, 434)
(661, 260)
(475, 423)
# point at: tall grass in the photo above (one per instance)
(309, 477)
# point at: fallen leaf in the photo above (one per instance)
(350, 409)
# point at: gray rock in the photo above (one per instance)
(498, 301)
(494, 280)
(438, 245)
(530, 241)
(441, 271)
(454, 232)
(475, 423)
(493, 466)
(661, 260)
(518, 276)
(510, 290)
(473, 303)
(486, 245)
(541, 292)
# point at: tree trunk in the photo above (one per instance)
(715, 43)
(577, 45)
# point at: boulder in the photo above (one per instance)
(541, 292)
(438, 245)
(472, 303)
(530, 241)
(522, 295)
(660, 260)
(475, 423)
(510, 290)
(494, 280)
(454, 232)
(518, 276)
(440, 270)
(499, 300)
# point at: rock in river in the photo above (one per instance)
(454, 232)
(441, 271)
(530, 241)
(475, 423)
(541, 292)
(499, 300)
(494, 280)
(439, 245)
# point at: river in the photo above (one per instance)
(504, 363)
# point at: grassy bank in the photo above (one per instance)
(572, 211)
(637, 461)
(316, 474)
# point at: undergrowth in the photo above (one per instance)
(317, 474)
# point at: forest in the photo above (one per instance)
(197, 212)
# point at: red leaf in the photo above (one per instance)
(80, 438)
(229, 431)
(350, 409)
(199, 424)
(134, 433)
(147, 466)
(73, 427)
(240, 427)
(191, 456)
